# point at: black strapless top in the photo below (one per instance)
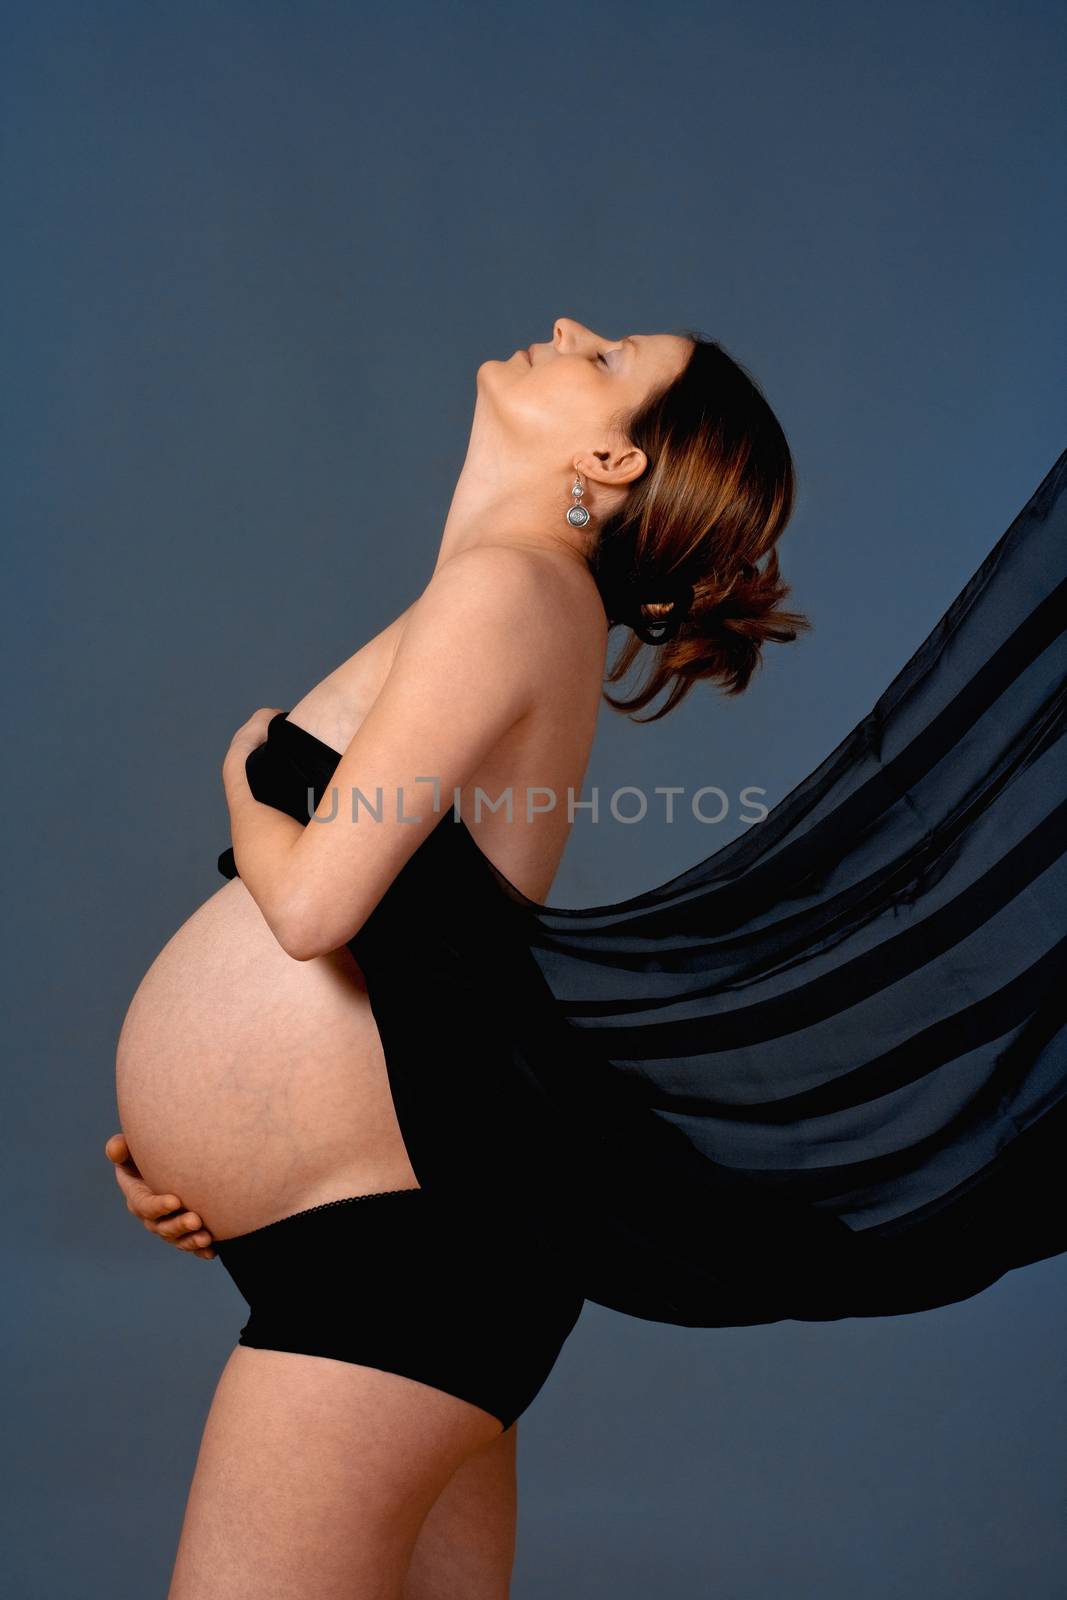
(821, 1073)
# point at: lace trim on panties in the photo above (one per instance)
(344, 1200)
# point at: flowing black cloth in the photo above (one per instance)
(823, 1072)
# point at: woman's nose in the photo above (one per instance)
(566, 331)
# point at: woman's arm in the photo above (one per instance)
(262, 835)
(469, 665)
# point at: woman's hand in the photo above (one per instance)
(250, 735)
(161, 1213)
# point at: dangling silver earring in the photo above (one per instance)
(577, 516)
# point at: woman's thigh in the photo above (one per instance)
(314, 1477)
(465, 1549)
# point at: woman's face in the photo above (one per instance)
(563, 396)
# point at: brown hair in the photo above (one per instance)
(677, 562)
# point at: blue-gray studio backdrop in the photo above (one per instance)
(254, 255)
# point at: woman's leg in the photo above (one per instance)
(465, 1549)
(314, 1477)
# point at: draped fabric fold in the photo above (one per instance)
(822, 1072)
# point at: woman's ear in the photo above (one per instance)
(615, 469)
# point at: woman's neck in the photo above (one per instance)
(501, 499)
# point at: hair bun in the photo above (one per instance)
(669, 600)
(654, 608)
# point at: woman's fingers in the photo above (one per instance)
(140, 1198)
(193, 1239)
(181, 1223)
(174, 1226)
(162, 1214)
(184, 1230)
(116, 1148)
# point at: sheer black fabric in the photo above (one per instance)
(821, 1073)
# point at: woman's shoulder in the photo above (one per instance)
(553, 591)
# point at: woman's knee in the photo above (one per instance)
(466, 1546)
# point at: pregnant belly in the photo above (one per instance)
(252, 1085)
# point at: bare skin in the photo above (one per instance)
(318, 1477)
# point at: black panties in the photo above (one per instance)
(435, 1289)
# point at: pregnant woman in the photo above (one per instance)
(420, 1115)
